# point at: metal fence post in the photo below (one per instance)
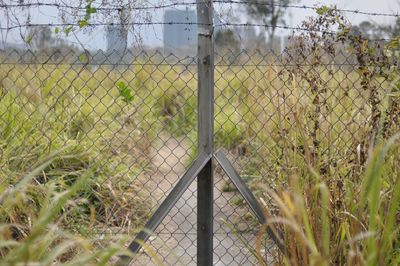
(205, 180)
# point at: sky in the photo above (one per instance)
(379, 6)
(152, 35)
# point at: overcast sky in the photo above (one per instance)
(153, 35)
(379, 6)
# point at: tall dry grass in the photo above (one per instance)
(363, 230)
(39, 237)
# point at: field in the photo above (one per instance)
(323, 155)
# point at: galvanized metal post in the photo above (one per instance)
(205, 180)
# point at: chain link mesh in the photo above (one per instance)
(132, 119)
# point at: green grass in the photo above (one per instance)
(42, 240)
(363, 230)
(106, 121)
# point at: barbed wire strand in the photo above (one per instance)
(354, 11)
(56, 5)
(227, 24)
(161, 6)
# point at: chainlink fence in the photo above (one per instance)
(131, 119)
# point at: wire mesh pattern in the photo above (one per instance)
(132, 119)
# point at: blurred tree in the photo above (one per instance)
(269, 12)
(367, 29)
(393, 30)
(40, 38)
(373, 30)
(252, 40)
(226, 39)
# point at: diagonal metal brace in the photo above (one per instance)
(167, 205)
(248, 196)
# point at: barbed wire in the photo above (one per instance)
(161, 6)
(226, 24)
(223, 23)
(293, 28)
(354, 11)
(99, 24)
(113, 8)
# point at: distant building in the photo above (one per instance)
(117, 38)
(180, 35)
(182, 32)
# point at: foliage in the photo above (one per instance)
(338, 206)
(42, 39)
(41, 240)
(75, 16)
(362, 231)
(308, 121)
(373, 30)
(268, 12)
(125, 92)
(36, 121)
(227, 40)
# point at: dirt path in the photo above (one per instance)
(175, 239)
